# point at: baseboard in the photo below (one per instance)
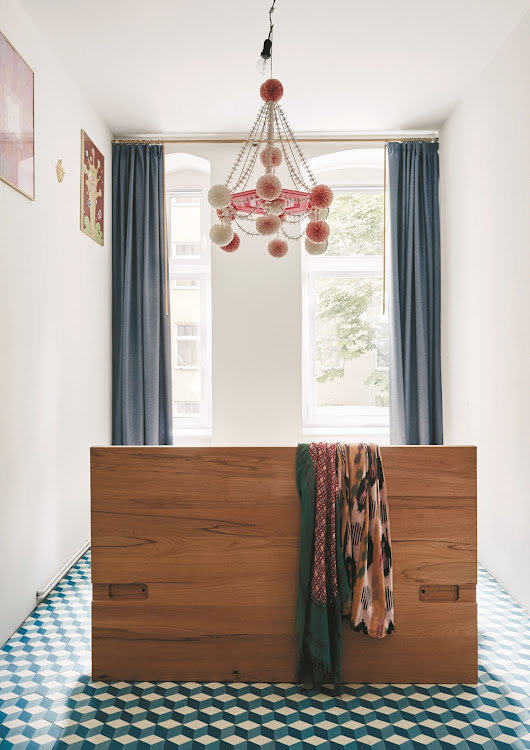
(43, 593)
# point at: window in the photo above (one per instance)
(187, 346)
(190, 289)
(187, 407)
(185, 225)
(345, 334)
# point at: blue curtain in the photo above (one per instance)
(415, 370)
(141, 358)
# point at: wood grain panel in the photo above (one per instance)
(159, 549)
(214, 535)
(435, 471)
(411, 519)
(410, 659)
(177, 620)
(434, 562)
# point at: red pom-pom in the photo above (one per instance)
(271, 90)
(268, 187)
(317, 231)
(321, 196)
(278, 248)
(232, 246)
(271, 156)
(267, 224)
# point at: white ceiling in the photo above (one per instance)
(189, 66)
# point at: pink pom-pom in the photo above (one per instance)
(321, 196)
(271, 90)
(278, 248)
(271, 156)
(317, 231)
(233, 245)
(268, 187)
(267, 224)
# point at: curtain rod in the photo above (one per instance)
(397, 139)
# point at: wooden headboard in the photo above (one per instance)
(195, 566)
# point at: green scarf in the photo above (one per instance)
(318, 625)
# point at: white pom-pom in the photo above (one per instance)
(315, 248)
(276, 207)
(219, 196)
(221, 234)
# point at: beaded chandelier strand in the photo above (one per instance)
(268, 208)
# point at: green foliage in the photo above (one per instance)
(348, 310)
(356, 222)
(345, 310)
(380, 379)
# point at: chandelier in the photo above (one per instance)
(259, 205)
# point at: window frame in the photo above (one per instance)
(195, 268)
(363, 422)
(177, 337)
(192, 258)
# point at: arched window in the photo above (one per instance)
(188, 223)
(345, 333)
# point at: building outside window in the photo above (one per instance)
(190, 288)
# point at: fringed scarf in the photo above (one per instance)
(345, 556)
(322, 581)
(365, 539)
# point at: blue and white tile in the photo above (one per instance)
(47, 699)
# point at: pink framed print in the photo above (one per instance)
(17, 132)
(92, 189)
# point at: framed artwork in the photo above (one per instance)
(92, 189)
(17, 131)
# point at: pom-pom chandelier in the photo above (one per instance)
(269, 208)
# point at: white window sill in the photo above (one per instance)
(192, 437)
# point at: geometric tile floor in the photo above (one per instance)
(47, 699)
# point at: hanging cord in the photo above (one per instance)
(266, 52)
(384, 228)
(271, 29)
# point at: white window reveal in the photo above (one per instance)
(190, 287)
(345, 334)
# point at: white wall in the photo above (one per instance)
(485, 204)
(55, 339)
(256, 345)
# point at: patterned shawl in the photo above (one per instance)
(322, 584)
(365, 539)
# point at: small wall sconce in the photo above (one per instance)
(60, 171)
